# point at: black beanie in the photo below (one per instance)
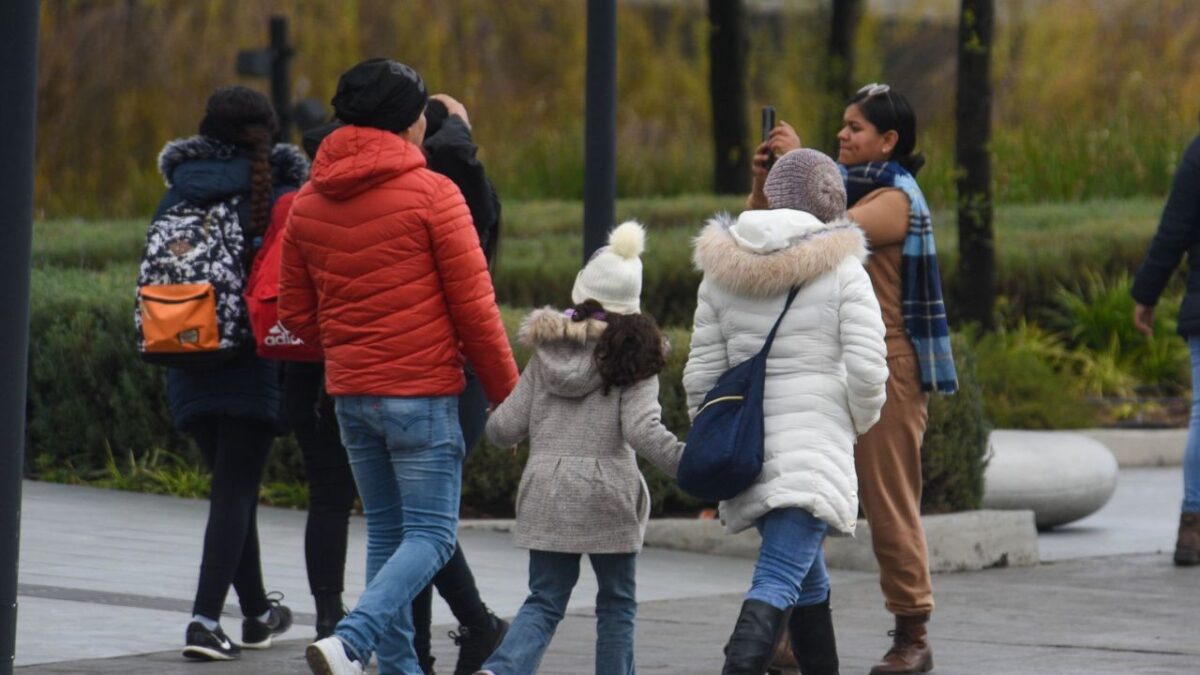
(380, 93)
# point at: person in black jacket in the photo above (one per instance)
(1179, 233)
(451, 151)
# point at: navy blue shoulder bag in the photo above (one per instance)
(724, 450)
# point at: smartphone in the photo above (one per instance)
(768, 123)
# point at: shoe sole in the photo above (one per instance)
(265, 644)
(205, 654)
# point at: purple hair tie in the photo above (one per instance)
(598, 316)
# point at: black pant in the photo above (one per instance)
(455, 582)
(331, 488)
(235, 450)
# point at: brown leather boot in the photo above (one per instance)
(1187, 545)
(910, 652)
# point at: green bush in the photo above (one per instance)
(1022, 387)
(954, 454)
(88, 391)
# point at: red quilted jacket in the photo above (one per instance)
(382, 267)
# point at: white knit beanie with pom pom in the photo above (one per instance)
(613, 277)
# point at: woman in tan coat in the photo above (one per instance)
(877, 153)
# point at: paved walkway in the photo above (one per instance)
(106, 580)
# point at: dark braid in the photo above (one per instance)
(261, 190)
(243, 117)
(630, 349)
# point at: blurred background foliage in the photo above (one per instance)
(1092, 97)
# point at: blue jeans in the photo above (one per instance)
(791, 565)
(406, 455)
(551, 578)
(1191, 458)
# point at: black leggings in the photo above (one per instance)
(235, 450)
(331, 487)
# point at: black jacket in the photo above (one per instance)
(1178, 233)
(450, 151)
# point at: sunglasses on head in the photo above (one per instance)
(876, 89)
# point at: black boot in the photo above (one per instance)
(753, 641)
(813, 643)
(329, 612)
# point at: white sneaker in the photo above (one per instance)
(328, 657)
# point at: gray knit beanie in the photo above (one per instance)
(807, 180)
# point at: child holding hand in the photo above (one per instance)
(588, 400)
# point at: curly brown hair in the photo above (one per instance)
(630, 349)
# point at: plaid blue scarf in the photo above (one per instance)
(923, 310)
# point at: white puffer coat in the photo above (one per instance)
(827, 367)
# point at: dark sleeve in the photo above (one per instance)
(451, 152)
(1177, 230)
(170, 199)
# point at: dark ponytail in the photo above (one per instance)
(630, 349)
(890, 111)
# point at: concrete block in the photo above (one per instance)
(1060, 476)
(1142, 447)
(970, 540)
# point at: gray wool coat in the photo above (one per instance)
(581, 491)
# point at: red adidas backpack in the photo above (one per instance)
(262, 295)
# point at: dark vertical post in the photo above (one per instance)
(727, 46)
(18, 90)
(839, 84)
(281, 57)
(975, 279)
(600, 130)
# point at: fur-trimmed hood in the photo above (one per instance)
(565, 348)
(288, 163)
(811, 249)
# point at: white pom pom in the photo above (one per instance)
(628, 240)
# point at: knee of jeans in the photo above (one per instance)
(616, 608)
(442, 541)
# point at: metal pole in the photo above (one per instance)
(281, 56)
(18, 90)
(600, 133)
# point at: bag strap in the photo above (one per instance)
(786, 306)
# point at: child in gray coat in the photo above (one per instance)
(588, 399)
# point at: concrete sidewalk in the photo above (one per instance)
(107, 574)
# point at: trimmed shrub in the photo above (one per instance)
(88, 391)
(954, 454)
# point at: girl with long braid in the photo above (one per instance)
(232, 409)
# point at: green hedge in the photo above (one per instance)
(91, 400)
(97, 413)
(1040, 248)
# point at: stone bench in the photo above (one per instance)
(1060, 476)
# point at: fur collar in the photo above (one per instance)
(288, 163)
(820, 250)
(548, 325)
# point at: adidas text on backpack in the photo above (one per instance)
(274, 340)
(190, 310)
